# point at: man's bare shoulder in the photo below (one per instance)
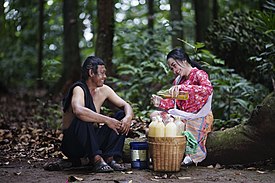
(107, 91)
(78, 89)
(106, 88)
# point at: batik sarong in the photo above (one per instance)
(199, 128)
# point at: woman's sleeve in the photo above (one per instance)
(201, 90)
(166, 104)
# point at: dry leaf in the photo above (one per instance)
(17, 173)
(251, 168)
(74, 178)
(261, 172)
(184, 178)
(154, 179)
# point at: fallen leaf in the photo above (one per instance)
(218, 166)
(238, 173)
(157, 177)
(154, 179)
(261, 172)
(17, 173)
(184, 178)
(123, 181)
(127, 172)
(173, 176)
(74, 178)
(210, 166)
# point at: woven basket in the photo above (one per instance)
(167, 153)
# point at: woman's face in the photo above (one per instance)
(176, 68)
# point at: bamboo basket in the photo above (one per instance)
(167, 153)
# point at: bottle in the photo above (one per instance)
(166, 118)
(160, 128)
(171, 128)
(180, 125)
(152, 127)
(181, 96)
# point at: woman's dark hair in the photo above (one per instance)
(91, 62)
(179, 55)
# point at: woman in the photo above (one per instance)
(196, 110)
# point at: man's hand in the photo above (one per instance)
(114, 124)
(125, 125)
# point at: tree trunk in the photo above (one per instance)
(105, 33)
(71, 56)
(91, 7)
(2, 17)
(245, 143)
(202, 16)
(151, 16)
(215, 9)
(176, 22)
(40, 44)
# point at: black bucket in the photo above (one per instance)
(139, 155)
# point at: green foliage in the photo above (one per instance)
(243, 6)
(142, 66)
(266, 59)
(52, 70)
(17, 53)
(234, 38)
(19, 31)
(234, 97)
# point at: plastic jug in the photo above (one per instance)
(160, 128)
(152, 127)
(180, 126)
(166, 118)
(171, 129)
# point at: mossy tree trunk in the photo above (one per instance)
(245, 143)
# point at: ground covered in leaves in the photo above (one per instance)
(30, 136)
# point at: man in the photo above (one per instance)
(91, 137)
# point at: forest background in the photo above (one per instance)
(43, 44)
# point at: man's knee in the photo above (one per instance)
(119, 115)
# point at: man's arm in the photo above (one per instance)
(87, 115)
(119, 102)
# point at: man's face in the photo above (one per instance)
(100, 77)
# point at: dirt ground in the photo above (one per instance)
(27, 171)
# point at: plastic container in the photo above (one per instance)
(160, 129)
(152, 127)
(139, 155)
(180, 126)
(171, 129)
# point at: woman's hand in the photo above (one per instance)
(174, 91)
(156, 100)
